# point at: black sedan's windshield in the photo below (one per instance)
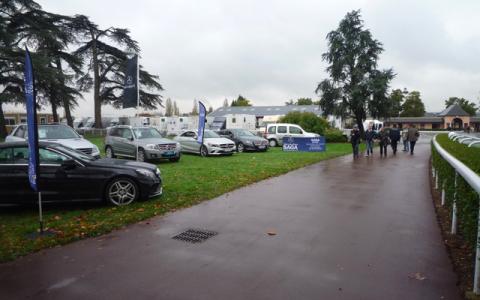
(146, 133)
(56, 132)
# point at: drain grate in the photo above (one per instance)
(195, 235)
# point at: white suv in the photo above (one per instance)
(275, 133)
(57, 133)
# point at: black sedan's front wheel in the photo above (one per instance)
(122, 191)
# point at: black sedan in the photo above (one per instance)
(245, 140)
(66, 174)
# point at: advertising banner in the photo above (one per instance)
(304, 144)
(31, 122)
(130, 91)
(202, 115)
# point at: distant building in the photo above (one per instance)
(14, 118)
(269, 114)
(452, 117)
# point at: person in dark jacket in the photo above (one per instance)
(384, 141)
(355, 140)
(412, 136)
(369, 136)
(394, 138)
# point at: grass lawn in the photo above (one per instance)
(188, 182)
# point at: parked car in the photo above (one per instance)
(213, 144)
(245, 140)
(58, 133)
(275, 133)
(142, 143)
(66, 174)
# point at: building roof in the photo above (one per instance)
(415, 120)
(260, 111)
(453, 110)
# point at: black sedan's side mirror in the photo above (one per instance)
(69, 164)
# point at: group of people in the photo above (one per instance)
(385, 137)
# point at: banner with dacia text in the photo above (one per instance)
(304, 144)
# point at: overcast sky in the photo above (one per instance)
(270, 51)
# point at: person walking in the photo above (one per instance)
(394, 135)
(355, 140)
(412, 136)
(369, 136)
(384, 141)
(406, 147)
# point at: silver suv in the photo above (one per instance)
(142, 143)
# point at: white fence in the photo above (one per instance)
(473, 179)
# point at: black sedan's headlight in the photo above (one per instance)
(147, 173)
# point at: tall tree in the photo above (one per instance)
(176, 110)
(168, 108)
(241, 101)
(225, 103)
(107, 52)
(195, 108)
(355, 86)
(396, 99)
(23, 22)
(470, 107)
(413, 105)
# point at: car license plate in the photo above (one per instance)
(261, 147)
(169, 153)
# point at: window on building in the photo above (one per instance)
(23, 120)
(181, 120)
(244, 120)
(43, 120)
(10, 121)
(234, 120)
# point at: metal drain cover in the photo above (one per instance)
(195, 235)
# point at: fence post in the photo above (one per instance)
(443, 192)
(454, 210)
(476, 288)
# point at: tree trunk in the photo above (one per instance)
(66, 104)
(3, 129)
(54, 111)
(359, 120)
(96, 87)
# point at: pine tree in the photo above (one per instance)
(176, 110)
(225, 103)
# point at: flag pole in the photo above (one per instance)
(138, 95)
(40, 212)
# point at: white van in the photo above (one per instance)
(275, 133)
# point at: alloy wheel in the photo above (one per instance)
(240, 147)
(122, 192)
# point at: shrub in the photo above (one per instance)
(333, 135)
(307, 120)
(467, 198)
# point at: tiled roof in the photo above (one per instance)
(453, 110)
(264, 110)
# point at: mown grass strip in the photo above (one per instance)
(469, 156)
(188, 182)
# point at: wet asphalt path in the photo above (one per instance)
(345, 229)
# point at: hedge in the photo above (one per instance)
(467, 198)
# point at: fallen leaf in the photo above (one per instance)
(271, 232)
(417, 276)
